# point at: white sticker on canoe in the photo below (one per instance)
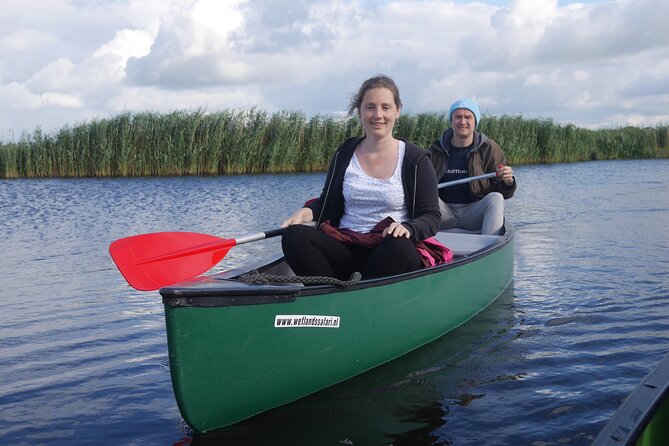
(305, 320)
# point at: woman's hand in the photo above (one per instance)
(396, 230)
(505, 173)
(301, 216)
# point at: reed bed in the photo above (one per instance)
(254, 141)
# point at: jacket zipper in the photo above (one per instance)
(327, 192)
(415, 182)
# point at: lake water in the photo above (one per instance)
(83, 357)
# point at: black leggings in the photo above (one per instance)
(311, 252)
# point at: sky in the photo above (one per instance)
(595, 64)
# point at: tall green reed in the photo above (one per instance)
(255, 141)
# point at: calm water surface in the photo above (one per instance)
(83, 357)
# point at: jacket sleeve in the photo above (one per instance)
(436, 157)
(426, 214)
(495, 158)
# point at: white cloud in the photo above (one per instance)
(596, 64)
(22, 98)
(56, 75)
(193, 48)
(155, 99)
(25, 40)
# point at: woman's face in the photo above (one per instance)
(378, 112)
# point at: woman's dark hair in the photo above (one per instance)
(379, 81)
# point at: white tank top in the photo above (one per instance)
(368, 200)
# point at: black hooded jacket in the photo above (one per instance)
(484, 157)
(418, 179)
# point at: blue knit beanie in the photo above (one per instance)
(468, 104)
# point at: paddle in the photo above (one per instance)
(467, 180)
(151, 261)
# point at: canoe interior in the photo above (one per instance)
(224, 289)
(231, 357)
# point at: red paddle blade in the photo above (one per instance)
(151, 261)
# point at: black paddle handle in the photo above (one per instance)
(279, 231)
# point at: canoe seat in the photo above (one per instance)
(463, 243)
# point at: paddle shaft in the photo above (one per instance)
(222, 243)
(467, 180)
(259, 236)
(266, 234)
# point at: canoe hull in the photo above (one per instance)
(230, 362)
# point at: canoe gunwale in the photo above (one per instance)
(222, 289)
(634, 415)
(216, 300)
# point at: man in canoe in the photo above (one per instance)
(378, 202)
(463, 152)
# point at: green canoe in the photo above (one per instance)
(236, 349)
(643, 418)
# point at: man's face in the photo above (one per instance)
(463, 123)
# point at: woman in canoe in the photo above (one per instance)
(378, 204)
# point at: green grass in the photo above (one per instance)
(254, 141)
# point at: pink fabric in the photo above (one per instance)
(436, 254)
(432, 251)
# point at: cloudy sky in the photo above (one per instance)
(591, 63)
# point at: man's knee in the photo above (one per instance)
(494, 197)
(448, 219)
(494, 201)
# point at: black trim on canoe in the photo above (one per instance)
(222, 289)
(637, 411)
(226, 293)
